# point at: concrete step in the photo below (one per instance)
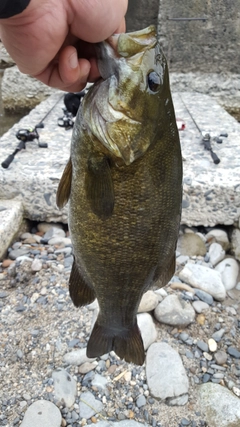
(211, 192)
(11, 217)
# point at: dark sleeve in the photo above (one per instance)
(10, 8)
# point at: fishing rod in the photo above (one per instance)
(27, 135)
(206, 138)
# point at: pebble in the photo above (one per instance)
(217, 336)
(220, 357)
(141, 401)
(42, 413)
(212, 345)
(174, 311)
(89, 405)
(77, 357)
(233, 352)
(87, 367)
(202, 345)
(229, 270)
(216, 253)
(16, 253)
(205, 279)
(219, 405)
(166, 376)
(36, 265)
(191, 244)
(65, 387)
(200, 306)
(204, 296)
(148, 302)
(147, 328)
(219, 236)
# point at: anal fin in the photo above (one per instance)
(80, 292)
(127, 343)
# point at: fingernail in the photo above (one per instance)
(73, 60)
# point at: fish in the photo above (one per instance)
(123, 183)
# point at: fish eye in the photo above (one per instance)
(153, 81)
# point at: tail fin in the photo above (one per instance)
(127, 344)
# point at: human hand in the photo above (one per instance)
(52, 40)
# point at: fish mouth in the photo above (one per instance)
(107, 56)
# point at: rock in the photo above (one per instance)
(202, 345)
(235, 243)
(212, 345)
(174, 311)
(221, 408)
(204, 296)
(54, 232)
(141, 401)
(199, 306)
(228, 268)
(217, 336)
(147, 329)
(216, 253)
(191, 244)
(220, 357)
(218, 236)
(87, 367)
(65, 387)
(124, 423)
(36, 265)
(6, 263)
(88, 405)
(77, 357)
(99, 381)
(43, 227)
(16, 253)
(148, 302)
(233, 352)
(205, 279)
(42, 413)
(166, 376)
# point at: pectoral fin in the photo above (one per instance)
(99, 187)
(80, 292)
(64, 187)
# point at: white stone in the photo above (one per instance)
(216, 253)
(65, 387)
(166, 376)
(45, 226)
(235, 243)
(221, 408)
(88, 405)
(42, 413)
(219, 236)
(200, 306)
(212, 345)
(77, 357)
(174, 311)
(147, 329)
(148, 302)
(36, 265)
(229, 269)
(204, 278)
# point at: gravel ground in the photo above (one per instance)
(39, 325)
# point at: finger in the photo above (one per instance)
(98, 19)
(67, 72)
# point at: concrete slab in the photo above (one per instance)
(11, 217)
(211, 192)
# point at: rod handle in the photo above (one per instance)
(7, 161)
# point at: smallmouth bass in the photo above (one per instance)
(124, 186)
